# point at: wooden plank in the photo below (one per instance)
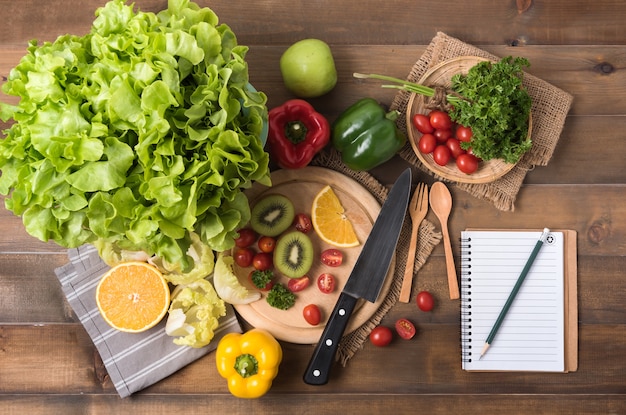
(40, 404)
(593, 211)
(30, 291)
(63, 361)
(348, 22)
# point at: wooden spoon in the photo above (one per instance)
(441, 204)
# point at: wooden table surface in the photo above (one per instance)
(49, 365)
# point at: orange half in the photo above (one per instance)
(133, 297)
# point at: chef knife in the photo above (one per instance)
(365, 280)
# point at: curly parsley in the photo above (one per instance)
(280, 297)
(496, 107)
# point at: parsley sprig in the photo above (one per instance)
(491, 100)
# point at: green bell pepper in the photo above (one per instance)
(366, 135)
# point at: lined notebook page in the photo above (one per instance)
(531, 337)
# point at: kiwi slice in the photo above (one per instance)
(293, 254)
(272, 215)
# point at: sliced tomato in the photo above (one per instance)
(405, 328)
(326, 283)
(332, 257)
(302, 222)
(298, 284)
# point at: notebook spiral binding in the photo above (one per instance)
(466, 300)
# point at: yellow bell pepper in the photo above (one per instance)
(249, 362)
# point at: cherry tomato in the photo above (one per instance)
(381, 336)
(312, 314)
(302, 222)
(467, 163)
(464, 133)
(442, 135)
(326, 283)
(425, 301)
(298, 284)
(422, 123)
(440, 120)
(268, 284)
(243, 257)
(442, 154)
(267, 244)
(246, 238)
(332, 257)
(262, 261)
(405, 328)
(427, 143)
(455, 147)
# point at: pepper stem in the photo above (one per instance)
(246, 365)
(295, 131)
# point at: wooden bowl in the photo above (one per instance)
(441, 75)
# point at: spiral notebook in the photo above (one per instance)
(540, 331)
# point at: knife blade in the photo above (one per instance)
(365, 280)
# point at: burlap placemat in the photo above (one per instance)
(549, 110)
(427, 239)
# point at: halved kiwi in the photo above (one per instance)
(272, 215)
(293, 254)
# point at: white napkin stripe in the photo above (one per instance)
(135, 347)
(82, 254)
(79, 290)
(150, 368)
(67, 278)
(90, 315)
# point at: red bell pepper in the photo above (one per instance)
(296, 133)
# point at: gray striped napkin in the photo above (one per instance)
(133, 361)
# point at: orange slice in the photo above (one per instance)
(330, 220)
(133, 297)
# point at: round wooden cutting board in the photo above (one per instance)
(301, 186)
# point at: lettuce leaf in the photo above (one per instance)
(194, 314)
(136, 134)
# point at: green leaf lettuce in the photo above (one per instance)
(136, 134)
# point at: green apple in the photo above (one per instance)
(308, 68)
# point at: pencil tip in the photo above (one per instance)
(482, 353)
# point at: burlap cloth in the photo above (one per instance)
(549, 110)
(427, 239)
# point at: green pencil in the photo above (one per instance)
(516, 287)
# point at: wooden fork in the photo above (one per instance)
(417, 210)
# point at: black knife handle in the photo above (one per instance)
(324, 354)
